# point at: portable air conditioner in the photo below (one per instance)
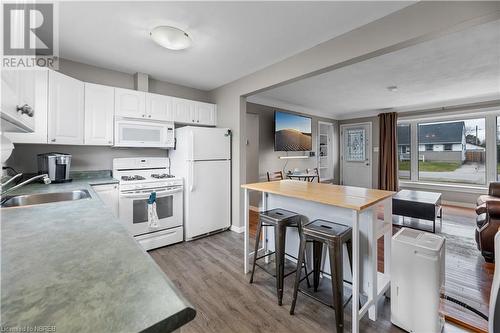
(494, 320)
(417, 279)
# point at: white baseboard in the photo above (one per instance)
(236, 229)
(458, 204)
(242, 229)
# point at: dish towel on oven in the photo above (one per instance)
(152, 214)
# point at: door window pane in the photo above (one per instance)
(355, 145)
(403, 137)
(454, 151)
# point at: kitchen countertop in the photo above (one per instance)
(73, 266)
(350, 197)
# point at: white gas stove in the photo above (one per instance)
(139, 178)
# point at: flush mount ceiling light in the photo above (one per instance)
(392, 88)
(171, 38)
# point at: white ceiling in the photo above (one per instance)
(231, 39)
(463, 67)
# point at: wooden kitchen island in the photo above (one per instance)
(353, 206)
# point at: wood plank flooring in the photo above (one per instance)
(468, 276)
(209, 273)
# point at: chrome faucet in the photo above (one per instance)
(45, 178)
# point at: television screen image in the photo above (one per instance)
(292, 132)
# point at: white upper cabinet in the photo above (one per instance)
(192, 112)
(183, 110)
(205, 114)
(159, 107)
(130, 103)
(40, 79)
(99, 114)
(18, 100)
(66, 110)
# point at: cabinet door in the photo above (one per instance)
(99, 112)
(159, 107)
(183, 110)
(205, 114)
(130, 103)
(109, 195)
(40, 105)
(18, 89)
(66, 109)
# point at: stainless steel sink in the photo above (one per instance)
(42, 198)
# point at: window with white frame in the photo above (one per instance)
(451, 150)
(404, 150)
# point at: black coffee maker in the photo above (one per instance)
(56, 165)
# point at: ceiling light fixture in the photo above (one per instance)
(392, 88)
(171, 38)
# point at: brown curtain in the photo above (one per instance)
(388, 156)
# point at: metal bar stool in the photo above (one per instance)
(280, 219)
(333, 235)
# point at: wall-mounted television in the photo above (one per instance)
(292, 132)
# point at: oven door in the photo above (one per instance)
(134, 209)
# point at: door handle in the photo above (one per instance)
(191, 187)
(26, 109)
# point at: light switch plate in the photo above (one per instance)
(375, 149)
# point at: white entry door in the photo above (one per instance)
(356, 154)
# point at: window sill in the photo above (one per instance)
(476, 189)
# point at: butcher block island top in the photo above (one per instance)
(350, 197)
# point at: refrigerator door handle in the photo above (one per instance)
(191, 185)
(192, 145)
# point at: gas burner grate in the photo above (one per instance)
(161, 176)
(134, 177)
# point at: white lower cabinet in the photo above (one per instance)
(66, 110)
(108, 193)
(99, 114)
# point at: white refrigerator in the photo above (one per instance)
(202, 156)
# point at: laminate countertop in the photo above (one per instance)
(73, 267)
(356, 198)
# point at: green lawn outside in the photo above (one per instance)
(433, 166)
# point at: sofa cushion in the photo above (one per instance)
(481, 220)
(483, 198)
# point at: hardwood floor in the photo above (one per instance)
(468, 276)
(209, 273)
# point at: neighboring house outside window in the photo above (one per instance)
(448, 147)
(429, 147)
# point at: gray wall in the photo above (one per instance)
(23, 158)
(89, 73)
(268, 158)
(411, 25)
(97, 157)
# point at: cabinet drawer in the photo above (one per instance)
(161, 238)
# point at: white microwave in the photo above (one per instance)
(137, 133)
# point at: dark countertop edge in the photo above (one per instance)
(172, 323)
